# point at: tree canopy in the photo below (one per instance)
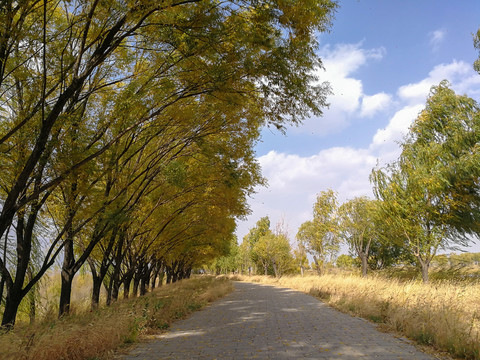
(320, 235)
(430, 195)
(127, 130)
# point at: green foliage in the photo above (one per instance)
(269, 252)
(261, 228)
(346, 261)
(273, 250)
(228, 263)
(357, 227)
(320, 235)
(429, 197)
(476, 44)
(300, 258)
(445, 138)
(386, 253)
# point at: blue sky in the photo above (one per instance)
(381, 58)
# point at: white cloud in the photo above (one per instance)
(348, 97)
(436, 38)
(374, 103)
(459, 73)
(295, 180)
(385, 141)
(340, 63)
(344, 59)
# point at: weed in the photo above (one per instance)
(94, 335)
(194, 306)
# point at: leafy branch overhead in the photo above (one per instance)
(127, 130)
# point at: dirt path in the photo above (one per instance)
(266, 322)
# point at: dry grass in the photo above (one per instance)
(445, 315)
(95, 335)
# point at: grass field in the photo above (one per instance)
(445, 314)
(97, 334)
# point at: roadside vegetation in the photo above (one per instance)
(443, 314)
(86, 334)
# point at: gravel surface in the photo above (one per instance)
(266, 322)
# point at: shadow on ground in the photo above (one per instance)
(266, 322)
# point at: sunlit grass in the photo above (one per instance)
(95, 335)
(443, 314)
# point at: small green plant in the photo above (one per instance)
(194, 306)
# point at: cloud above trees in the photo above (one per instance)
(295, 180)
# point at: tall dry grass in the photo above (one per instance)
(445, 315)
(96, 335)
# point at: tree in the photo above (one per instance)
(273, 251)
(101, 73)
(320, 235)
(346, 261)
(430, 196)
(357, 227)
(227, 263)
(261, 228)
(447, 134)
(476, 44)
(300, 257)
(246, 263)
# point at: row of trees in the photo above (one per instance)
(127, 131)
(263, 251)
(427, 200)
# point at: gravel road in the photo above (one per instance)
(266, 322)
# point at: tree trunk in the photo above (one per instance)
(275, 270)
(143, 286)
(15, 291)
(109, 289)
(67, 277)
(2, 286)
(97, 280)
(364, 259)
(96, 288)
(127, 280)
(145, 279)
(424, 265)
(161, 275)
(2, 281)
(65, 293)
(31, 299)
(115, 289)
(12, 302)
(136, 282)
(153, 280)
(119, 255)
(317, 265)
